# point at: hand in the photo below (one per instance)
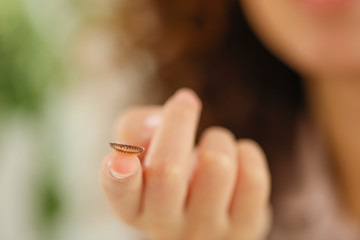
(174, 191)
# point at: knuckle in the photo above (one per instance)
(224, 164)
(219, 162)
(173, 173)
(165, 174)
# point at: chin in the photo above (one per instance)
(312, 39)
(323, 59)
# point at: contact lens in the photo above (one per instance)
(127, 149)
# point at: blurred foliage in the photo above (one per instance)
(29, 72)
(28, 68)
(49, 204)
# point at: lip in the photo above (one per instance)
(327, 5)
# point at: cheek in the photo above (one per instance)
(309, 41)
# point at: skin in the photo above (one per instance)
(335, 108)
(318, 42)
(220, 188)
(323, 45)
(181, 191)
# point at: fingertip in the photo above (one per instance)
(219, 131)
(119, 167)
(121, 179)
(187, 95)
(251, 148)
(253, 166)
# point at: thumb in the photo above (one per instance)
(121, 178)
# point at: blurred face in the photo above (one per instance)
(313, 36)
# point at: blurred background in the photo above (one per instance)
(60, 92)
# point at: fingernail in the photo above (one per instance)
(119, 176)
(117, 167)
(186, 95)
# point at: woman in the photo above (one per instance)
(308, 129)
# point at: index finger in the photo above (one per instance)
(167, 163)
